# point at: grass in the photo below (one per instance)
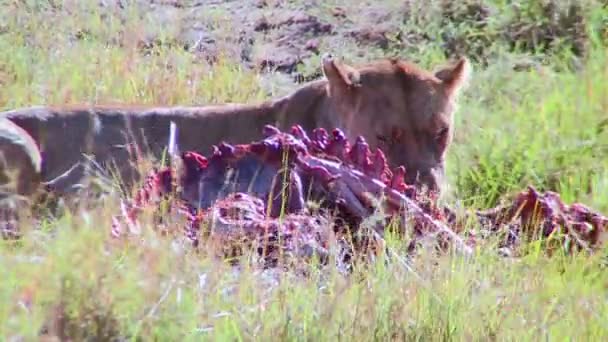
(152, 289)
(545, 127)
(541, 128)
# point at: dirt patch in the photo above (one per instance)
(289, 36)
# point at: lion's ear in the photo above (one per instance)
(454, 77)
(339, 75)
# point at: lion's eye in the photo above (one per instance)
(442, 134)
(396, 134)
(441, 138)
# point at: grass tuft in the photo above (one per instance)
(536, 113)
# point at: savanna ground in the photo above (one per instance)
(536, 112)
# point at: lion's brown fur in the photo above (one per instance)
(382, 100)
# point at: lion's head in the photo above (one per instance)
(406, 111)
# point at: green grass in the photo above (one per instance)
(151, 288)
(545, 127)
(539, 127)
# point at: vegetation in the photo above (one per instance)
(536, 112)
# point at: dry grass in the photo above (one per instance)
(538, 127)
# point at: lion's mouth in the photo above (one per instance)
(432, 178)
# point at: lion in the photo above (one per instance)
(395, 105)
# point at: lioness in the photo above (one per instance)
(395, 105)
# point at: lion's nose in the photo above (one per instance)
(432, 179)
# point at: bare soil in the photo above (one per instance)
(288, 37)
